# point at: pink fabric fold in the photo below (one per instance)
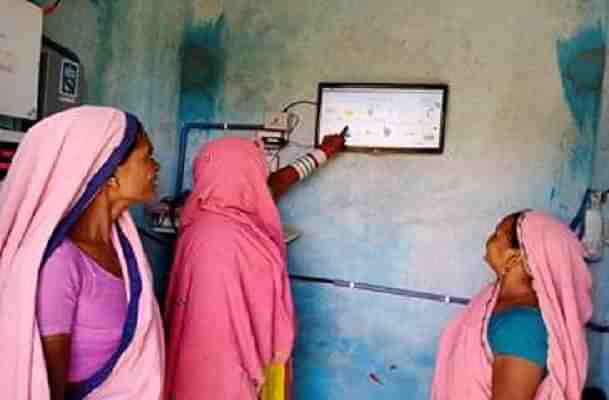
(50, 171)
(229, 306)
(562, 283)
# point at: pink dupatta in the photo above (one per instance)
(229, 306)
(563, 283)
(59, 166)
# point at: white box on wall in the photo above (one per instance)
(20, 42)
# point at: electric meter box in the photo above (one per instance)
(20, 45)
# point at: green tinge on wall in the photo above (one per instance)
(202, 81)
(581, 61)
(203, 70)
(582, 66)
(107, 11)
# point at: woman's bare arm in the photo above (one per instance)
(283, 179)
(57, 355)
(515, 378)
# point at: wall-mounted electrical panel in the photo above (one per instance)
(20, 44)
(60, 79)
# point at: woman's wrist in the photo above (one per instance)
(327, 150)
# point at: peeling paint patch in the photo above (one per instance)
(202, 89)
(203, 70)
(106, 13)
(582, 65)
(581, 61)
(258, 45)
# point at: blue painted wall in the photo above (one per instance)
(521, 132)
(132, 55)
(581, 59)
(202, 81)
(599, 343)
(583, 64)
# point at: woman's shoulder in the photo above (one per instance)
(65, 251)
(65, 259)
(210, 231)
(62, 274)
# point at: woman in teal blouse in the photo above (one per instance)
(516, 331)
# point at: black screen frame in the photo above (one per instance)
(376, 85)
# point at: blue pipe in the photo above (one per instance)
(592, 326)
(383, 289)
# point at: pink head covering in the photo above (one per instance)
(562, 283)
(59, 166)
(229, 177)
(230, 273)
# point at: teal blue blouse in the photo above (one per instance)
(519, 332)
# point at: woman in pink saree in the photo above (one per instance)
(230, 318)
(523, 337)
(78, 316)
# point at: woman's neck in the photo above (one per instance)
(516, 290)
(95, 225)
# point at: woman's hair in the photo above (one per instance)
(515, 217)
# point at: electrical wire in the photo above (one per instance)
(286, 108)
(293, 121)
(275, 156)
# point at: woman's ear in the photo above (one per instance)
(514, 257)
(112, 182)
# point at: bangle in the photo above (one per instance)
(306, 164)
(320, 156)
(298, 167)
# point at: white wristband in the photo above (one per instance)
(309, 163)
(298, 167)
(306, 164)
(320, 156)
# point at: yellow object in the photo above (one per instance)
(274, 384)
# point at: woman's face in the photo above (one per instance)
(137, 176)
(499, 245)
